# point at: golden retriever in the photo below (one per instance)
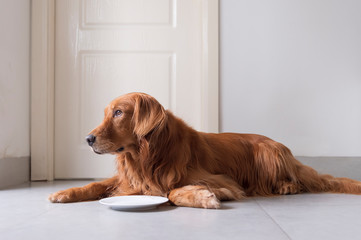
(158, 154)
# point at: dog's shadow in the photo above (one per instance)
(158, 209)
(168, 207)
(225, 207)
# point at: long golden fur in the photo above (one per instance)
(158, 154)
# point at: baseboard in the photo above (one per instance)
(349, 167)
(14, 171)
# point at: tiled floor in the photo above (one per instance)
(26, 214)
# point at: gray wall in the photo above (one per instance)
(291, 70)
(14, 91)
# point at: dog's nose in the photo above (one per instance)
(90, 139)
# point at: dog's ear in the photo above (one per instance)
(148, 115)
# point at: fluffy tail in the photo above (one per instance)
(313, 182)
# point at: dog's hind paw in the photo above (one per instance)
(285, 188)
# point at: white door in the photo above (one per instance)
(108, 48)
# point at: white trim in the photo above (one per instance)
(14, 171)
(349, 167)
(43, 81)
(210, 78)
(42, 89)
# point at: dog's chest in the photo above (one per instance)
(132, 176)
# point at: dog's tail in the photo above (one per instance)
(312, 181)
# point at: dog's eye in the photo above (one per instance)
(117, 113)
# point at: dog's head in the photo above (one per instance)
(127, 119)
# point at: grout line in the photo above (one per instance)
(273, 220)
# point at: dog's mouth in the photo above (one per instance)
(121, 149)
(96, 151)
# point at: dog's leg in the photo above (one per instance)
(92, 191)
(207, 193)
(194, 196)
(223, 186)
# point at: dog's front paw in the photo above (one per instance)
(64, 196)
(208, 199)
(194, 196)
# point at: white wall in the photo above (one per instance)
(291, 70)
(14, 78)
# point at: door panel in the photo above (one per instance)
(108, 48)
(117, 12)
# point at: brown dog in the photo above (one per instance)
(158, 154)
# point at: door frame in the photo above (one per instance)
(42, 89)
(43, 81)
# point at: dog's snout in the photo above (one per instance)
(90, 139)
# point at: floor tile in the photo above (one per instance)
(27, 201)
(91, 220)
(316, 216)
(26, 214)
